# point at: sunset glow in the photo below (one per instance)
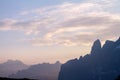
(37, 31)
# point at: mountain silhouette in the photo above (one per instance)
(96, 48)
(11, 67)
(43, 71)
(103, 63)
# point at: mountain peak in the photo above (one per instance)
(14, 62)
(9, 60)
(57, 62)
(96, 47)
(118, 41)
(11, 67)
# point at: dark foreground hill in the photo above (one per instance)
(3, 78)
(103, 63)
(43, 71)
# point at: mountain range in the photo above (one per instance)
(43, 71)
(11, 67)
(103, 63)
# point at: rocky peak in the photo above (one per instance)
(96, 47)
(108, 44)
(117, 42)
(118, 39)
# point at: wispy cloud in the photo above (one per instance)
(68, 24)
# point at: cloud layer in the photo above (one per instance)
(69, 24)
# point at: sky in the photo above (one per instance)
(37, 31)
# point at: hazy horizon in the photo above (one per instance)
(46, 31)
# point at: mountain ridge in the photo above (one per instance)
(101, 64)
(44, 71)
(10, 67)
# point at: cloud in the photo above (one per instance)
(69, 24)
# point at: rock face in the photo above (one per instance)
(102, 64)
(43, 71)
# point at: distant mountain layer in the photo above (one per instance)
(103, 63)
(43, 71)
(11, 67)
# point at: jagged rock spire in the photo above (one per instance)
(96, 47)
